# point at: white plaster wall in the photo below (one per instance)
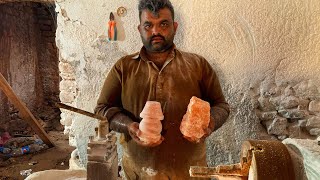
(249, 43)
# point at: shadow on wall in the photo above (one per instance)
(121, 36)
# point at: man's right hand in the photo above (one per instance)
(134, 132)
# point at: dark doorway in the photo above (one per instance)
(29, 62)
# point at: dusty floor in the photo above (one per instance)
(53, 158)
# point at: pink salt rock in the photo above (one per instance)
(196, 120)
(150, 126)
(152, 109)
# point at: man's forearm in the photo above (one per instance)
(219, 115)
(120, 122)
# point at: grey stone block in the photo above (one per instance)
(315, 131)
(275, 101)
(302, 123)
(289, 102)
(265, 105)
(277, 126)
(313, 122)
(314, 106)
(289, 91)
(303, 104)
(294, 130)
(293, 113)
(264, 116)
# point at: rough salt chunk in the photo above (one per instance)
(196, 120)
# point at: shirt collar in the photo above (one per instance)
(142, 53)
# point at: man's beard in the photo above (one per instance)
(159, 46)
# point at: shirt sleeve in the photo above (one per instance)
(212, 92)
(109, 102)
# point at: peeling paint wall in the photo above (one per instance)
(249, 44)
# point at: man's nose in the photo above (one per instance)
(155, 30)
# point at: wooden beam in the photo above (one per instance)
(24, 112)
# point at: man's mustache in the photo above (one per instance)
(157, 36)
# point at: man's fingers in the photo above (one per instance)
(136, 125)
(134, 135)
(135, 132)
(159, 142)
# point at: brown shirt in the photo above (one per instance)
(134, 79)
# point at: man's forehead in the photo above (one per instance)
(164, 13)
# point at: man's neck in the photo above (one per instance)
(158, 56)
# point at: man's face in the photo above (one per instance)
(157, 31)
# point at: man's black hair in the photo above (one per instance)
(154, 6)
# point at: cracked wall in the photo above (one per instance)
(247, 42)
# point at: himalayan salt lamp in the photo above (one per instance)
(196, 120)
(150, 126)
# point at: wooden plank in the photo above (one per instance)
(24, 112)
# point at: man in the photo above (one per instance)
(160, 72)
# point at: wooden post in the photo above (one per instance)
(24, 111)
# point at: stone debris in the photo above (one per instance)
(276, 126)
(264, 116)
(196, 120)
(25, 172)
(313, 122)
(314, 106)
(290, 102)
(297, 106)
(315, 131)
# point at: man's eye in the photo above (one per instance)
(147, 26)
(164, 24)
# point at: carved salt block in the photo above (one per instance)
(152, 109)
(150, 126)
(196, 120)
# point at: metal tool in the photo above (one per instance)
(103, 128)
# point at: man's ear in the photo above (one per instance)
(175, 26)
(139, 26)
